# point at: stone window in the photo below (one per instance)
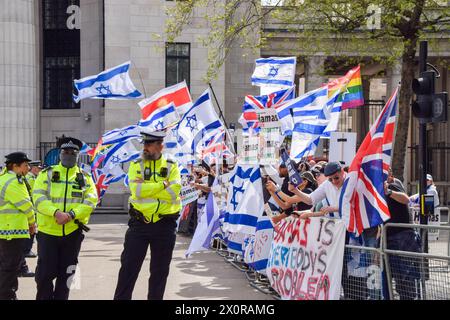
(178, 63)
(61, 56)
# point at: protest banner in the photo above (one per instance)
(306, 258)
(188, 194)
(250, 145)
(269, 145)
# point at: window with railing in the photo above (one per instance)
(61, 57)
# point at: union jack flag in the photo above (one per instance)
(362, 204)
(215, 146)
(249, 118)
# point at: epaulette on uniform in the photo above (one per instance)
(170, 161)
(47, 168)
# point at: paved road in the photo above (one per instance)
(204, 276)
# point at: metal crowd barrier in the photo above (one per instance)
(418, 274)
(383, 272)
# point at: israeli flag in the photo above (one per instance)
(114, 83)
(245, 203)
(199, 124)
(274, 71)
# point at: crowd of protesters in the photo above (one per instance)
(318, 195)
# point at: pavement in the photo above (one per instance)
(204, 276)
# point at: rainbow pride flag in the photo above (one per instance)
(350, 88)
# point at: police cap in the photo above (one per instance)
(17, 157)
(153, 136)
(69, 143)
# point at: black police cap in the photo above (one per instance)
(17, 157)
(69, 143)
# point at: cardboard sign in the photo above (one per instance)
(294, 176)
(188, 194)
(267, 118)
(342, 147)
(306, 258)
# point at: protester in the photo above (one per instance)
(329, 190)
(405, 270)
(431, 190)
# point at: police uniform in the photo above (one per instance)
(154, 208)
(71, 191)
(16, 217)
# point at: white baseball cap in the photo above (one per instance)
(429, 177)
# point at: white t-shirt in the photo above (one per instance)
(326, 191)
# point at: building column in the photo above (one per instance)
(19, 100)
(91, 62)
(314, 73)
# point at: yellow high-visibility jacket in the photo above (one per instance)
(57, 188)
(16, 208)
(150, 197)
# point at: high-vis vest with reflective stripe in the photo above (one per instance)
(150, 197)
(16, 208)
(52, 193)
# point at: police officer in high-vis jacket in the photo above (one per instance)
(64, 198)
(155, 186)
(17, 221)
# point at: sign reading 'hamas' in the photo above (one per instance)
(267, 118)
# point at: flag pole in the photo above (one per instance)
(221, 114)
(140, 78)
(218, 105)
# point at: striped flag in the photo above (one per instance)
(178, 95)
(245, 202)
(114, 83)
(160, 118)
(249, 118)
(350, 89)
(362, 203)
(274, 71)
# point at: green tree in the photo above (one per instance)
(384, 30)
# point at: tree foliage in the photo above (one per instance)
(384, 30)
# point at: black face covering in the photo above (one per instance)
(68, 160)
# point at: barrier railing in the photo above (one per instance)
(402, 267)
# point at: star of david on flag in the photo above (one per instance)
(274, 71)
(114, 83)
(245, 200)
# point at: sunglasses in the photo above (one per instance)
(335, 178)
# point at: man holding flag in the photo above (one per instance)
(155, 185)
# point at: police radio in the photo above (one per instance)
(55, 176)
(147, 175)
(163, 172)
(80, 180)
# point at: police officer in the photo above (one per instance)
(17, 221)
(35, 168)
(64, 197)
(155, 185)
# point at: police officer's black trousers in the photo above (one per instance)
(57, 259)
(161, 238)
(11, 254)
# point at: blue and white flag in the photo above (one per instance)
(208, 226)
(314, 116)
(114, 83)
(160, 118)
(120, 153)
(257, 251)
(274, 71)
(121, 135)
(245, 200)
(199, 124)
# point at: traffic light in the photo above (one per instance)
(430, 106)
